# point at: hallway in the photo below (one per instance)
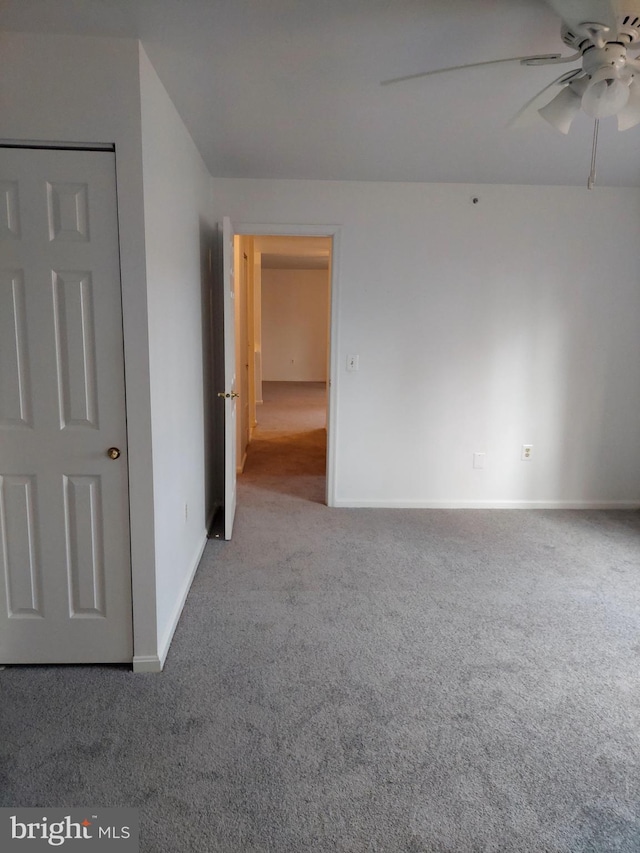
(288, 450)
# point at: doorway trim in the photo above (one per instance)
(262, 229)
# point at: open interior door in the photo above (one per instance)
(229, 394)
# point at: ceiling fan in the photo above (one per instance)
(607, 83)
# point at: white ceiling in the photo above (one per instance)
(291, 88)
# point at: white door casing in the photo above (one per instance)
(243, 363)
(230, 393)
(65, 574)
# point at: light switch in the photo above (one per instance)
(353, 362)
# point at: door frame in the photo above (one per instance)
(261, 229)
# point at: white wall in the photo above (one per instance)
(88, 90)
(177, 225)
(479, 328)
(71, 89)
(295, 311)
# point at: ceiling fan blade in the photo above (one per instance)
(529, 112)
(539, 59)
(576, 12)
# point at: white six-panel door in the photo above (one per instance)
(65, 577)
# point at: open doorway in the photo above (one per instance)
(283, 331)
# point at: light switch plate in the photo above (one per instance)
(353, 362)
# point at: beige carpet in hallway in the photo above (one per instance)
(290, 440)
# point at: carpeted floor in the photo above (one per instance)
(405, 681)
(288, 450)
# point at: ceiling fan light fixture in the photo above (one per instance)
(629, 115)
(606, 94)
(561, 111)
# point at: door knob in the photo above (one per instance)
(113, 453)
(228, 396)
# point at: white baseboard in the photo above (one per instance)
(155, 663)
(240, 467)
(456, 504)
(147, 663)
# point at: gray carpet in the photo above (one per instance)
(364, 680)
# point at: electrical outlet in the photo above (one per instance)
(527, 451)
(478, 460)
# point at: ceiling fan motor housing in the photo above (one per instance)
(613, 55)
(590, 35)
(608, 84)
(607, 71)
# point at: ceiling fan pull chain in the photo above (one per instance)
(592, 175)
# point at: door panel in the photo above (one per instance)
(75, 349)
(84, 545)
(9, 210)
(15, 391)
(22, 565)
(230, 434)
(65, 577)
